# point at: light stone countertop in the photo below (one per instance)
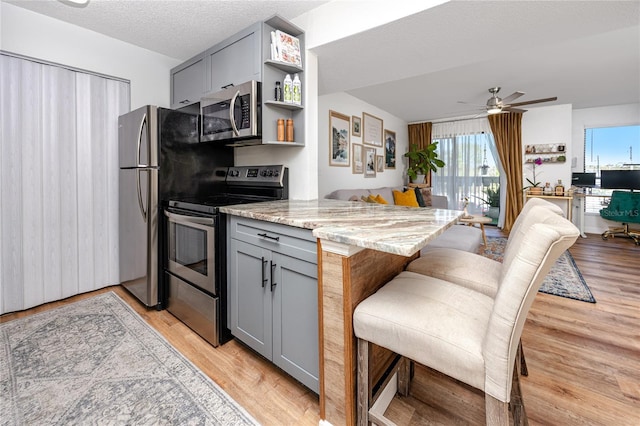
(387, 228)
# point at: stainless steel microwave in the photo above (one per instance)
(232, 113)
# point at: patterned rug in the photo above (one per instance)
(564, 279)
(97, 362)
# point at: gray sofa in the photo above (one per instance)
(460, 237)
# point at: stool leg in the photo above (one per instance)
(363, 385)
(484, 236)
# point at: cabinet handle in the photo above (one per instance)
(227, 86)
(186, 101)
(269, 237)
(264, 279)
(273, 283)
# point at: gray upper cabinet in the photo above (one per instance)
(188, 82)
(236, 61)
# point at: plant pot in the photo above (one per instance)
(535, 190)
(419, 179)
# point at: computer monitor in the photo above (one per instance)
(620, 179)
(586, 180)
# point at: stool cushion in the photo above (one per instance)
(461, 237)
(400, 316)
(455, 266)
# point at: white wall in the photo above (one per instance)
(37, 36)
(617, 115)
(331, 177)
(548, 125)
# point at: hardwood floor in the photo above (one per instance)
(583, 358)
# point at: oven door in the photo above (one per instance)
(191, 249)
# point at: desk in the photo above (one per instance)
(581, 198)
(480, 220)
(567, 198)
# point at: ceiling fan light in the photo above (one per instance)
(494, 110)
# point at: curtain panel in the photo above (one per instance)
(507, 132)
(58, 182)
(420, 134)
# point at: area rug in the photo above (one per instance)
(97, 362)
(564, 279)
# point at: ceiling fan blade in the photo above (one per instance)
(511, 97)
(535, 101)
(510, 109)
(470, 103)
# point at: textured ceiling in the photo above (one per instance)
(587, 53)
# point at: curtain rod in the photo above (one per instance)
(447, 121)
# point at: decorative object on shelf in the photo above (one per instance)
(278, 92)
(289, 131)
(371, 130)
(358, 163)
(356, 125)
(369, 162)
(297, 90)
(559, 189)
(379, 163)
(422, 161)
(534, 184)
(339, 139)
(288, 89)
(551, 153)
(285, 48)
(547, 190)
(389, 149)
(280, 130)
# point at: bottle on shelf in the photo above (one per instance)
(288, 89)
(547, 190)
(289, 130)
(280, 130)
(297, 90)
(559, 189)
(278, 92)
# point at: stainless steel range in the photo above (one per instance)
(195, 264)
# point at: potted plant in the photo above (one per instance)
(422, 161)
(534, 186)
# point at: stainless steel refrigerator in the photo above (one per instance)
(138, 203)
(161, 158)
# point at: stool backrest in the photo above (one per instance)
(522, 274)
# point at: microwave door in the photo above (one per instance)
(216, 120)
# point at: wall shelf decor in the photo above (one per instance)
(548, 153)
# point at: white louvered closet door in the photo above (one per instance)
(58, 182)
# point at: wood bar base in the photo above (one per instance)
(344, 281)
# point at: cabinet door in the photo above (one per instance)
(249, 290)
(235, 63)
(188, 82)
(295, 319)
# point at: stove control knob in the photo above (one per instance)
(269, 172)
(263, 173)
(276, 173)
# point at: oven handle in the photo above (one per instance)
(190, 219)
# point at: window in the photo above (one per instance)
(609, 148)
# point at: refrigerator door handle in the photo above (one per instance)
(232, 117)
(143, 123)
(140, 202)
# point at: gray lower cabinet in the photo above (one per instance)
(273, 295)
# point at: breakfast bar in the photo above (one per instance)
(361, 246)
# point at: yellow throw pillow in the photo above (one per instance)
(380, 200)
(407, 198)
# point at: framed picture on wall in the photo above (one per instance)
(358, 164)
(379, 163)
(371, 130)
(339, 139)
(389, 149)
(356, 124)
(369, 162)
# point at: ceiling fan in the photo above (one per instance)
(497, 105)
